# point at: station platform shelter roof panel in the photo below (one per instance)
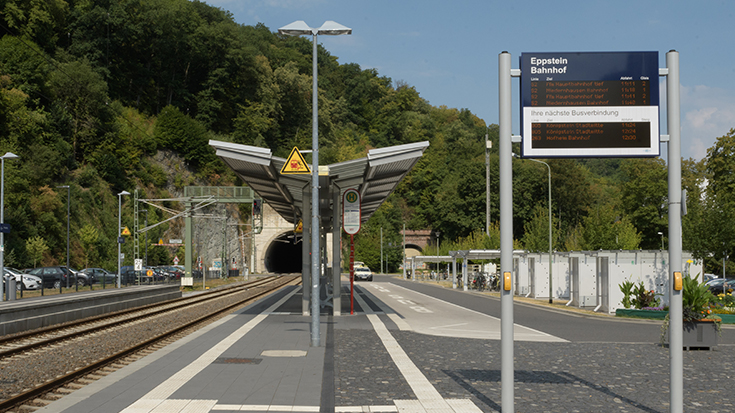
(374, 177)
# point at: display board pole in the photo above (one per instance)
(676, 314)
(505, 153)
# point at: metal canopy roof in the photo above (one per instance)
(481, 254)
(375, 177)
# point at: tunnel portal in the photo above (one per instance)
(283, 256)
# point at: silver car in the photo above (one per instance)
(363, 273)
(29, 282)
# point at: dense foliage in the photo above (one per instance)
(92, 90)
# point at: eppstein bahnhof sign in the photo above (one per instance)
(590, 104)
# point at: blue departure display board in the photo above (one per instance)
(590, 104)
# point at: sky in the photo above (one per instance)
(448, 50)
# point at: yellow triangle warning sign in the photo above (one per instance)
(299, 227)
(295, 164)
(126, 231)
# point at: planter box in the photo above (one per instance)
(700, 334)
(656, 315)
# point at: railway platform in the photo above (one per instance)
(408, 347)
(36, 312)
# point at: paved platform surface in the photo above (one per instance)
(410, 347)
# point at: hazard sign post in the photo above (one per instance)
(295, 164)
(351, 217)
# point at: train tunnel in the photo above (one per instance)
(283, 256)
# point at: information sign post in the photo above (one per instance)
(351, 217)
(590, 104)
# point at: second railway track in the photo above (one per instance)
(37, 363)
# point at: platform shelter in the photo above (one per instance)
(374, 177)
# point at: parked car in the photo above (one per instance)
(24, 281)
(128, 275)
(131, 277)
(54, 277)
(99, 275)
(715, 285)
(363, 273)
(172, 272)
(82, 279)
(729, 287)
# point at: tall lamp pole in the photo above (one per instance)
(68, 215)
(551, 294)
(119, 233)
(3, 228)
(299, 28)
(488, 146)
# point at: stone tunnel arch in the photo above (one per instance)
(412, 250)
(282, 255)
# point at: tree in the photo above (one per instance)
(604, 229)
(81, 96)
(88, 236)
(36, 247)
(717, 230)
(645, 198)
(536, 231)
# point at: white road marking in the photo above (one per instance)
(442, 313)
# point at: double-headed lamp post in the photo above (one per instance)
(7, 155)
(551, 294)
(119, 233)
(299, 28)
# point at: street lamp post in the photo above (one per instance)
(488, 146)
(299, 28)
(3, 228)
(551, 294)
(662, 240)
(119, 234)
(68, 215)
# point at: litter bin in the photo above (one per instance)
(9, 283)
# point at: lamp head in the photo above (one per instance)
(332, 28)
(296, 28)
(9, 155)
(300, 27)
(123, 193)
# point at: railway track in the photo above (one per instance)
(21, 347)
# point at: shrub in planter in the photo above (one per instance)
(696, 308)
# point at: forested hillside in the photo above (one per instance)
(90, 90)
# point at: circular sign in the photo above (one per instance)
(351, 196)
(149, 273)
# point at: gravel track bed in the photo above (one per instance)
(19, 374)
